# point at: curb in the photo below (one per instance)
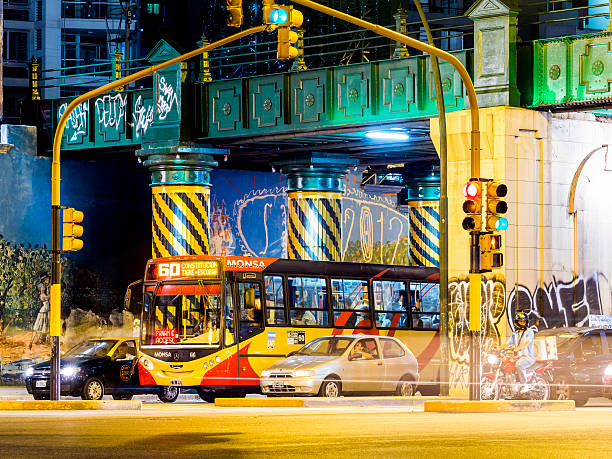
(44, 405)
(497, 406)
(311, 402)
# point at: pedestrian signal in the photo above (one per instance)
(490, 252)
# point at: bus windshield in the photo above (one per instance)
(177, 314)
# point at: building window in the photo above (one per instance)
(15, 46)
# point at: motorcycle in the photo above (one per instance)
(503, 383)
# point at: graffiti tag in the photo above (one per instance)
(166, 98)
(111, 110)
(77, 121)
(142, 117)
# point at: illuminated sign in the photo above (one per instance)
(209, 268)
(163, 336)
(244, 263)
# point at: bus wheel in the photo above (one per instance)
(207, 395)
(168, 394)
(93, 389)
(331, 387)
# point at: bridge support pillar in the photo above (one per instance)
(180, 186)
(315, 185)
(424, 241)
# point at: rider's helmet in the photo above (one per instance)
(521, 316)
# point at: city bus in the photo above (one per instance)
(214, 323)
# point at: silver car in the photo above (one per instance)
(334, 365)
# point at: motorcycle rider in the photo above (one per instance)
(522, 340)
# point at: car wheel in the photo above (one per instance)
(122, 396)
(168, 394)
(40, 396)
(564, 390)
(405, 388)
(331, 387)
(93, 389)
(206, 395)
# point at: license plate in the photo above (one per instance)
(41, 383)
(278, 384)
(176, 382)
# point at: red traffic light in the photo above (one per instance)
(472, 190)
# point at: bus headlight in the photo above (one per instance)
(145, 363)
(303, 373)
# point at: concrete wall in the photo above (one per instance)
(556, 266)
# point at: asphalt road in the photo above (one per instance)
(202, 430)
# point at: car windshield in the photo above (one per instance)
(326, 346)
(565, 341)
(91, 348)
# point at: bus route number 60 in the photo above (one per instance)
(168, 269)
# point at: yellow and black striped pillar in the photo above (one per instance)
(180, 186)
(315, 185)
(180, 220)
(424, 233)
(314, 226)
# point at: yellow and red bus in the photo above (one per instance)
(214, 323)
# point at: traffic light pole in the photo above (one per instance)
(474, 149)
(474, 315)
(56, 235)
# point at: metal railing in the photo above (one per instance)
(257, 55)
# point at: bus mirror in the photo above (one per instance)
(249, 298)
(132, 301)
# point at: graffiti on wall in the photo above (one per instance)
(77, 121)
(221, 237)
(142, 117)
(110, 110)
(261, 222)
(166, 98)
(493, 293)
(561, 304)
(373, 231)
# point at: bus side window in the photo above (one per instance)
(275, 301)
(229, 317)
(249, 297)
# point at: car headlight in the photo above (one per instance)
(265, 373)
(29, 371)
(492, 359)
(302, 373)
(608, 370)
(68, 371)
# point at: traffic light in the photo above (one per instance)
(496, 206)
(472, 206)
(286, 17)
(72, 231)
(490, 252)
(234, 12)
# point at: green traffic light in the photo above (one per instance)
(279, 16)
(501, 223)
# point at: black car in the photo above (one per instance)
(94, 368)
(583, 365)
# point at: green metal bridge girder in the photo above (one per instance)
(572, 70)
(176, 110)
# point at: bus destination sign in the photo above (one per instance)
(182, 269)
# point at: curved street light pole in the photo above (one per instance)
(56, 237)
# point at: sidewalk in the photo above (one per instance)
(20, 393)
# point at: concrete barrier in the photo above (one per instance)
(497, 406)
(28, 405)
(312, 402)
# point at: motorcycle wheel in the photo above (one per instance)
(541, 389)
(488, 391)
